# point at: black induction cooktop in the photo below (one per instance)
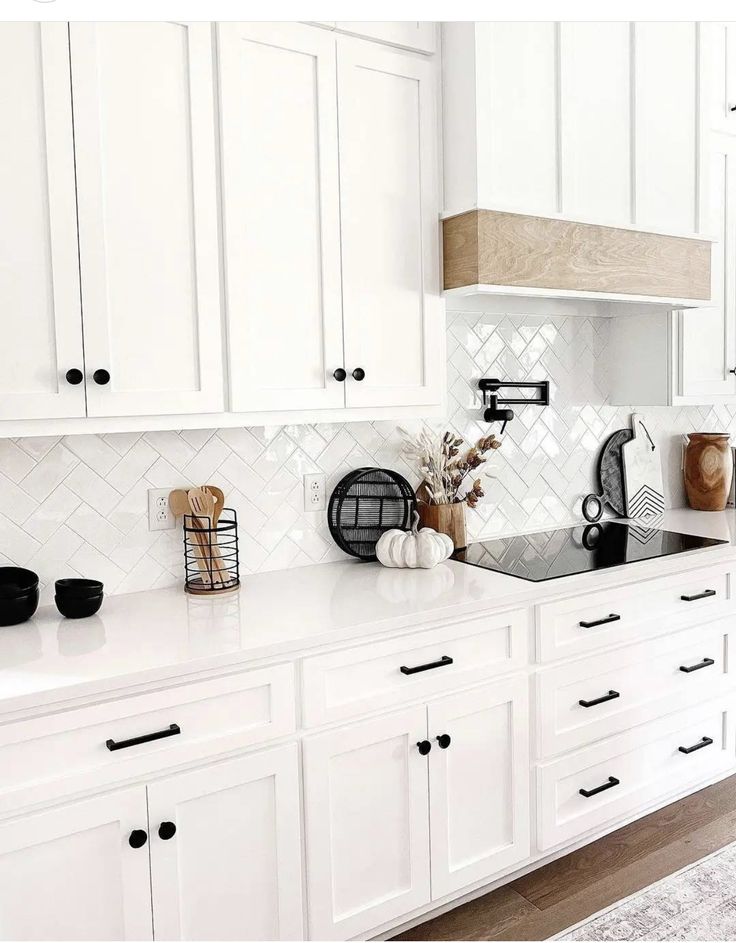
(554, 553)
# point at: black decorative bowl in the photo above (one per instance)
(365, 504)
(18, 594)
(76, 588)
(78, 607)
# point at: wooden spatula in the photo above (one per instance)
(219, 495)
(203, 505)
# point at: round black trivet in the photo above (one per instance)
(365, 504)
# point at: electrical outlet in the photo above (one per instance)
(314, 492)
(159, 512)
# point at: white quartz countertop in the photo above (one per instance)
(150, 636)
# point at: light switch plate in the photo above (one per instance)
(159, 512)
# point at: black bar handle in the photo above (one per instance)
(703, 595)
(591, 625)
(445, 660)
(705, 663)
(611, 696)
(705, 742)
(612, 781)
(170, 731)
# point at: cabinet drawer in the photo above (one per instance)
(630, 771)
(629, 686)
(634, 611)
(107, 742)
(370, 677)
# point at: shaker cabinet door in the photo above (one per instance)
(707, 336)
(226, 851)
(479, 784)
(367, 824)
(72, 873)
(144, 128)
(282, 216)
(388, 202)
(39, 265)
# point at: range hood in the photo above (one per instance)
(493, 252)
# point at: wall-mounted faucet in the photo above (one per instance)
(490, 388)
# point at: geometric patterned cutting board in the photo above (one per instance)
(642, 466)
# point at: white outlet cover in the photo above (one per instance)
(315, 485)
(159, 512)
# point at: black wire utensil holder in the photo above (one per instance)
(211, 563)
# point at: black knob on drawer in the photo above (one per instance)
(359, 374)
(166, 830)
(340, 374)
(101, 377)
(74, 376)
(138, 838)
(424, 747)
(444, 740)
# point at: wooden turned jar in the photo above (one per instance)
(708, 470)
(445, 519)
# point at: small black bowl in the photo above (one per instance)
(78, 607)
(78, 588)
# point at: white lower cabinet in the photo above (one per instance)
(214, 853)
(232, 868)
(372, 791)
(72, 874)
(479, 784)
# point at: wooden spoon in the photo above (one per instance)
(219, 495)
(202, 504)
(179, 503)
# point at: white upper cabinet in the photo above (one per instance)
(388, 194)
(595, 121)
(39, 275)
(281, 211)
(421, 36)
(331, 237)
(144, 127)
(598, 123)
(719, 52)
(666, 131)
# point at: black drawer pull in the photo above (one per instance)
(591, 625)
(705, 742)
(445, 660)
(703, 595)
(705, 663)
(611, 696)
(612, 781)
(170, 731)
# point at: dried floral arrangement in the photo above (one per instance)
(446, 471)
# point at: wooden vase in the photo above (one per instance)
(445, 519)
(708, 470)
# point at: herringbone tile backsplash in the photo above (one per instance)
(77, 505)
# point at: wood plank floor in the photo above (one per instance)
(566, 891)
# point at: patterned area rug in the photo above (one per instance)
(697, 903)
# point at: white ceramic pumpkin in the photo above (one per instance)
(413, 548)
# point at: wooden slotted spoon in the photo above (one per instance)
(203, 504)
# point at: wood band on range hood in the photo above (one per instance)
(486, 247)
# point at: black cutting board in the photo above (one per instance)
(610, 471)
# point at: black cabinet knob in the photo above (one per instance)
(166, 830)
(101, 377)
(74, 376)
(444, 740)
(424, 747)
(733, 371)
(359, 374)
(138, 838)
(340, 374)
